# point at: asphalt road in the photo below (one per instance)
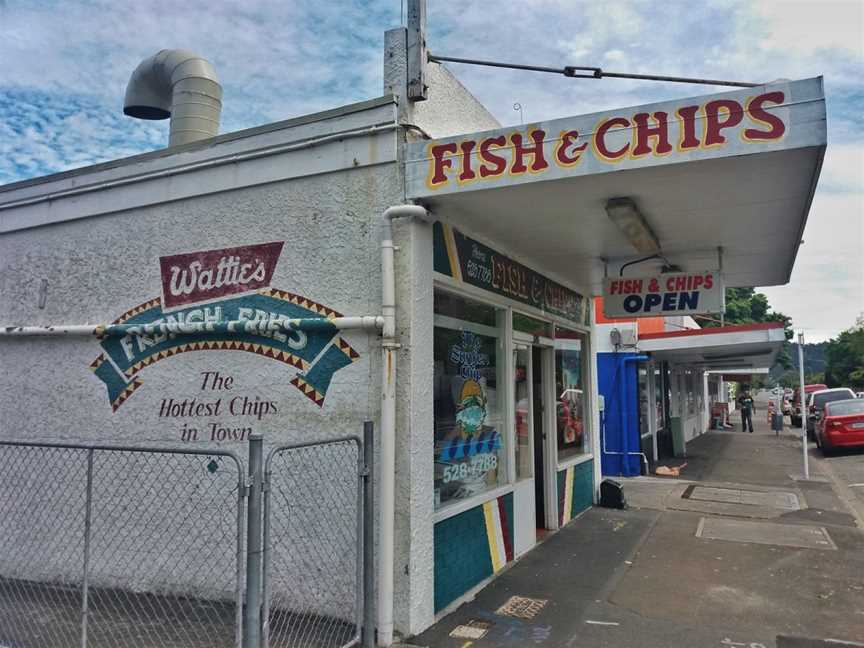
(846, 470)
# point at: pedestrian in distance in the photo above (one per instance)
(745, 404)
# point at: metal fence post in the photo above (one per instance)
(368, 536)
(85, 587)
(252, 636)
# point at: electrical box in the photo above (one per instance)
(624, 337)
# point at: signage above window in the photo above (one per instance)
(665, 294)
(779, 116)
(464, 259)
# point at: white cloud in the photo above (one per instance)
(64, 67)
(808, 26)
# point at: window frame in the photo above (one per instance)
(508, 337)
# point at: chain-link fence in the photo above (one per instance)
(313, 545)
(120, 547)
(126, 547)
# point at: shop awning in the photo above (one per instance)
(734, 170)
(732, 349)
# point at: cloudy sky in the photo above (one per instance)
(64, 66)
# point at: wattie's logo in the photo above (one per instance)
(198, 277)
(242, 313)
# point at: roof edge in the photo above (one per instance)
(737, 328)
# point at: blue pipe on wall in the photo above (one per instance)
(622, 395)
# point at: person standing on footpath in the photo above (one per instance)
(745, 404)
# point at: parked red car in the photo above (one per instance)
(841, 425)
(797, 418)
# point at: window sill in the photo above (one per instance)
(451, 510)
(563, 465)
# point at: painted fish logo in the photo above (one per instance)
(472, 408)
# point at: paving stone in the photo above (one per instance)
(775, 499)
(788, 535)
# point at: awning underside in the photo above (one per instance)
(726, 348)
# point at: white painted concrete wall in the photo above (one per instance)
(450, 108)
(99, 254)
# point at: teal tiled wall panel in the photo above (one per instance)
(463, 555)
(581, 494)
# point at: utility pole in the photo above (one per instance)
(803, 411)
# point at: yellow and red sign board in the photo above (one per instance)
(772, 117)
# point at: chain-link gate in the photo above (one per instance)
(116, 547)
(313, 545)
(136, 547)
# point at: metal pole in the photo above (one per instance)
(265, 563)
(803, 411)
(368, 536)
(252, 637)
(88, 506)
(238, 559)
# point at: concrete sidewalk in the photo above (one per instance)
(737, 552)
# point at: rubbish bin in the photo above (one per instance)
(777, 422)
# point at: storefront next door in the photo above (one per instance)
(535, 506)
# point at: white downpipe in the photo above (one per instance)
(389, 345)
(365, 322)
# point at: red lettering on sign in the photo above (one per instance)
(687, 139)
(714, 123)
(709, 281)
(493, 165)
(599, 139)
(567, 153)
(644, 133)
(442, 159)
(756, 112)
(535, 151)
(467, 173)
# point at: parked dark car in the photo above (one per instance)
(817, 402)
(841, 425)
(796, 415)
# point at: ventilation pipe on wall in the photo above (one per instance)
(181, 85)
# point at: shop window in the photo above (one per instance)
(523, 413)
(532, 326)
(658, 391)
(691, 394)
(470, 448)
(570, 375)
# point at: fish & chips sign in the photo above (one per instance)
(736, 123)
(667, 294)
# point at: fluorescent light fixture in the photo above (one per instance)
(624, 213)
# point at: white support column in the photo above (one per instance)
(593, 404)
(652, 407)
(706, 403)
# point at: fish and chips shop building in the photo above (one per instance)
(214, 253)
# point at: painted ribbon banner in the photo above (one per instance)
(208, 275)
(665, 294)
(258, 324)
(464, 259)
(778, 116)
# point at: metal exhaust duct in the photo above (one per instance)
(181, 85)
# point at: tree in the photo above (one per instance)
(844, 355)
